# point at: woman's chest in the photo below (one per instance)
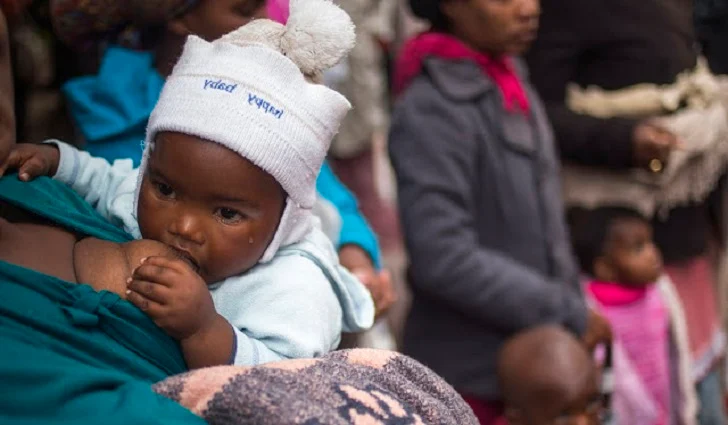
(107, 265)
(43, 248)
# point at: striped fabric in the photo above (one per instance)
(695, 284)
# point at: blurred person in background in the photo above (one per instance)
(711, 27)
(548, 377)
(358, 152)
(641, 123)
(479, 196)
(7, 96)
(38, 69)
(651, 359)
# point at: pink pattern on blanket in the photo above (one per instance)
(346, 387)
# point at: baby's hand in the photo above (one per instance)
(173, 295)
(32, 160)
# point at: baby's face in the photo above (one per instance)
(211, 205)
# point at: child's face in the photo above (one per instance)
(214, 206)
(212, 19)
(578, 403)
(631, 255)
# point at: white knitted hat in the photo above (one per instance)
(254, 91)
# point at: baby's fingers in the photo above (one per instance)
(152, 308)
(150, 272)
(32, 168)
(32, 160)
(177, 264)
(154, 292)
(13, 161)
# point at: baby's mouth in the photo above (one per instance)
(187, 257)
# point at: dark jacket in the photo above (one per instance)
(480, 202)
(615, 44)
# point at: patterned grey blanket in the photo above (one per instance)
(347, 387)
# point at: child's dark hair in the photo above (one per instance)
(590, 231)
(430, 11)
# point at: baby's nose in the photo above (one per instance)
(189, 228)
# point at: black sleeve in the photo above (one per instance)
(554, 61)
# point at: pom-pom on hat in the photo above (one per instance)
(255, 92)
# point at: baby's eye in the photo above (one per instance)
(229, 215)
(164, 189)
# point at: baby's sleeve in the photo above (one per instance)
(109, 188)
(283, 310)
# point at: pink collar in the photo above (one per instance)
(609, 293)
(441, 45)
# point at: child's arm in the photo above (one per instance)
(357, 243)
(354, 228)
(281, 310)
(213, 347)
(108, 188)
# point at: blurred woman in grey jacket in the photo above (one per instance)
(479, 196)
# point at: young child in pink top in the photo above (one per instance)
(615, 248)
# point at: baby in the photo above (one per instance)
(227, 182)
(616, 250)
(547, 378)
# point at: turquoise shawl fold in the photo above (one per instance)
(69, 354)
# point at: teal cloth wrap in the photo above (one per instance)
(69, 354)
